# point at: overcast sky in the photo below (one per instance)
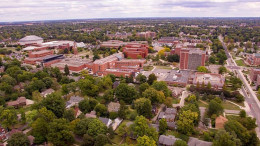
(27, 10)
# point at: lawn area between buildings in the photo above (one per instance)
(240, 62)
(164, 67)
(148, 68)
(225, 104)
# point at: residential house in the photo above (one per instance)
(92, 114)
(196, 142)
(47, 92)
(176, 91)
(106, 121)
(220, 122)
(20, 102)
(3, 133)
(74, 100)
(169, 114)
(166, 140)
(113, 107)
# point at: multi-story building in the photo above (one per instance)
(253, 59)
(37, 56)
(115, 64)
(135, 50)
(112, 44)
(146, 35)
(254, 72)
(216, 80)
(192, 58)
(30, 40)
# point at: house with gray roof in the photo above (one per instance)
(74, 100)
(196, 142)
(166, 140)
(106, 121)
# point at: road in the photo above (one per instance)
(250, 96)
(183, 96)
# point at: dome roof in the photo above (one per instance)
(31, 38)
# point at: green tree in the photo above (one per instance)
(154, 95)
(143, 87)
(215, 108)
(69, 115)
(141, 78)
(59, 133)
(224, 138)
(239, 129)
(145, 141)
(141, 127)
(101, 140)
(180, 143)
(66, 70)
(84, 106)
(162, 126)
(81, 127)
(185, 122)
(101, 110)
(143, 107)
(54, 103)
(162, 86)
(39, 130)
(122, 110)
(125, 93)
(87, 87)
(96, 127)
(47, 81)
(18, 139)
(87, 140)
(151, 78)
(222, 69)
(8, 118)
(202, 69)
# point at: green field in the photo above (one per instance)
(148, 68)
(240, 62)
(163, 67)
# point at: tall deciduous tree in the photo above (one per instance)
(66, 70)
(126, 93)
(143, 107)
(18, 139)
(145, 141)
(162, 126)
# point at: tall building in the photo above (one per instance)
(192, 59)
(135, 50)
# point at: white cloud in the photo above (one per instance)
(26, 10)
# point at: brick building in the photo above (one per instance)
(146, 35)
(117, 65)
(254, 72)
(135, 50)
(37, 56)
(216, 80)
(192, 58)
(253, 59)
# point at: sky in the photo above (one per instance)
(33, 10)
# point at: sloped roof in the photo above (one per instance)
(167, 140)
(196, 142)
(30, 38)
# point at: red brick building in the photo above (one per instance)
(37, 56)
(192, 58)
(115, 64)
(146, 35)
(254, 72)
(135, 50)
(253, 59)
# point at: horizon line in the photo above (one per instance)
(82, 19)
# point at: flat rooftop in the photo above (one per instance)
(118, 56)
(42, 51)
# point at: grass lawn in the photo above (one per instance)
(163, 67)
(175, 100)
(201, 104)
(240, 62)
(148, 68)
(117, 139)
(230, 106)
